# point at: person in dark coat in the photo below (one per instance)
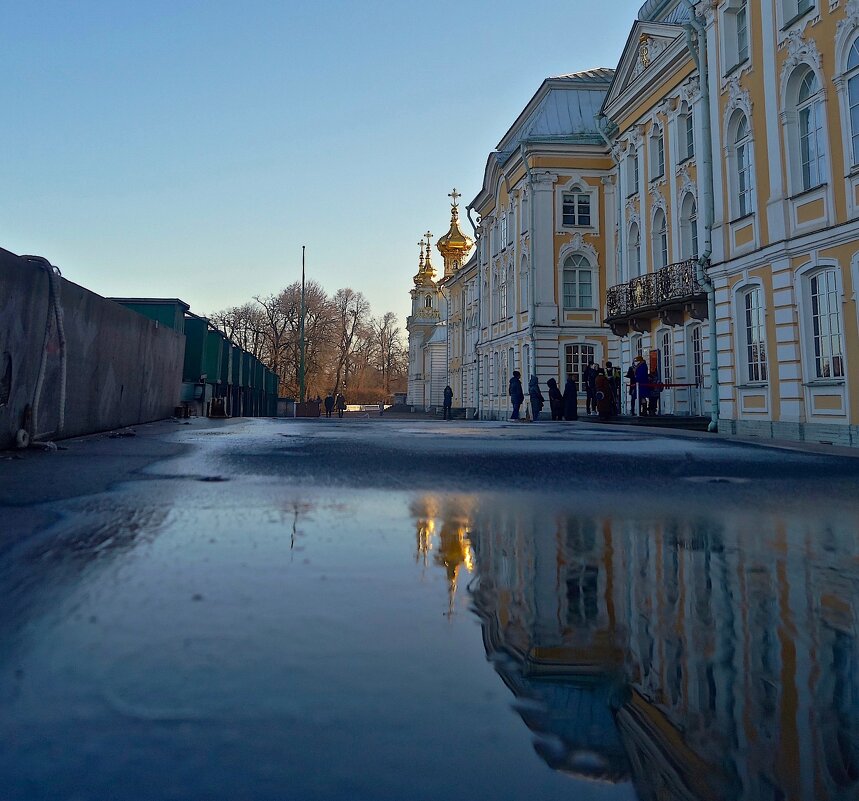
(630, 379)
(589, 375)
(602, 394)
(641, 382)
(448, 401)
(655, 392)
(612, 373)
(537, 399)
(571, 399)
(516, 394)
(340, 404)
(329, 404)
(556, 400)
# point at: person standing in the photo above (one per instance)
(341, 404)
(602, 394)
(589, 375)
(641, 384)
(448, 401)
(630, 380)
(655, 387)
(537, 399)
(514, 390)
(613, 375)
(329, 404)
(571, 399)
(556, 400)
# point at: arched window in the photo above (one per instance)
(660, 240)
(578, 283)
(632, 172)
(812, 141)
(657, 153)
(634, 251)
(686, 133)
(428, 301)
(742, 166)
(523, 285)
(689, 227)
(852, 76)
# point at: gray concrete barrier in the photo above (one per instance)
(122, 369)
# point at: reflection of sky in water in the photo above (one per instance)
(324, 643)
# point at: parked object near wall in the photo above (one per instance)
(121, 369)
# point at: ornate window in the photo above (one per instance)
(753, 348)
(636, 345)
(657, 153)
(852, 76)
(742, 165)
(578, 283)
(576, 210)
(428, 301)
(688, 227)
(503, 230)
(735, 41)
(826, 340)
(511, 226)
(660, 240)
(634, 251)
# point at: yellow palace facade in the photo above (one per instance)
(699, 205)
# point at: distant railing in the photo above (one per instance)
(671, 284)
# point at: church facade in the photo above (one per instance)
(697, 205)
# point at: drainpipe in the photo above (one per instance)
(477, 371)
(699, 54)
(532, 271)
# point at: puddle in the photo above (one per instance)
(346, 644)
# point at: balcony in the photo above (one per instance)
(667, 294)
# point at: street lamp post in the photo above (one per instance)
(301, 335)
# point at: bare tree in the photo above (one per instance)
(352, 311)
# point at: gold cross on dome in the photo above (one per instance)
(455, 195)
(428, 235)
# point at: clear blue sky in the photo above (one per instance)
(188, 149)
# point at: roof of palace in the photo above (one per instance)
(565, 106)
(669, 11)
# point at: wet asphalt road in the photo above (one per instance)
(261, 609)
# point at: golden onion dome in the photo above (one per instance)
(425, 272)
(454, 243)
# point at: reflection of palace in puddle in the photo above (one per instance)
(442, 528)
(702, 659)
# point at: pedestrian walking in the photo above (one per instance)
(341, 404)
(448, 401)
(537, 399)
(641, 382)
(514, 390)
(571, 399)
(556, 400)
(329, 404)
(589, 375)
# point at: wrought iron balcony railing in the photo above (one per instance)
(648, 294)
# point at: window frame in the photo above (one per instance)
(574, 367)
(659, 240)
(582, 266)
(656, 152)
(741, 172)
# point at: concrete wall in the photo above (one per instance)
(122, 368)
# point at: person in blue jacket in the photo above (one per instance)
(642, 381)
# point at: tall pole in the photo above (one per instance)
(301, 334)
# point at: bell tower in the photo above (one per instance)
(454, 246)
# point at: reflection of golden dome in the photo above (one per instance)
(425, 269)
(454, 244)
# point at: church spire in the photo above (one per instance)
(424, 276)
